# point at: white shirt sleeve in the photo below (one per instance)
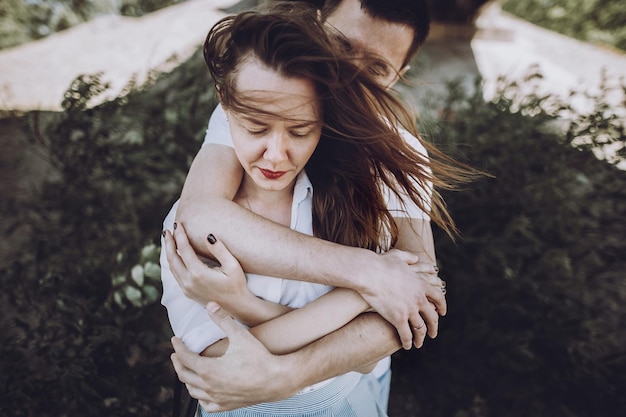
(189, 319)
(403, 206)
(218, 131)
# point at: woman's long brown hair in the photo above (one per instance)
(360, 147)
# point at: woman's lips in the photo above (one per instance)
(272, 175)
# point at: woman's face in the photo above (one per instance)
(274, 145)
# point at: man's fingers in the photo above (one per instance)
(425, 268)
(437, 297)
(224, 321)
(409, 258)
(185, 363)
(419, 328)
(431, 318)
(209, 407)
(183, 355)
(406, 336)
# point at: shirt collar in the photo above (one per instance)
(303, 188)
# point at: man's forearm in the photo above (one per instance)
(260, 245)
(264, 247)
(366, 339)
(249, 374)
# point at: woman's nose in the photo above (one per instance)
(276, 148)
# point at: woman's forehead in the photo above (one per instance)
(264, 88)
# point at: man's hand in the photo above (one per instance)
(408, 294)
(224, 284)
(246, 374)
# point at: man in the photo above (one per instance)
(392, 30)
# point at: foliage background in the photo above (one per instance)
(598, 21)
(536, 284)
(23, 21)
(83, 332)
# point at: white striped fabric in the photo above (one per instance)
(348, 395)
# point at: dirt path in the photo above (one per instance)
(34, 76)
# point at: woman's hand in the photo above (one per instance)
(224, 284)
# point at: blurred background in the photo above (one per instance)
(104, 103)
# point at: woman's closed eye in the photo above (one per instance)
(256, 131)
(300, 133)
(379, 69)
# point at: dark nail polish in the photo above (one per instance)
(175, 225)
(163, 233)
(211, 238)
(436, 268)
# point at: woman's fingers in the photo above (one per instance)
(177, 265)
(222, 254)
(186, 251)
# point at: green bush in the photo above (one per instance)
(83, 330)
(24, 21)
(600, 21)
(536, 284)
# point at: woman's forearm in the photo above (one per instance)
(254, 311)
(298, 328)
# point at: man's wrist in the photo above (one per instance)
(352, 270)
(363, 271)
(286, 374)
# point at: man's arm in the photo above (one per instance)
(227, 286)
(249, 374)
(264, 247)
(260, 245)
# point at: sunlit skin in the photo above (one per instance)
(273, 148)
(366, 34)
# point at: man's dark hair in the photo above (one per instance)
(413, 13)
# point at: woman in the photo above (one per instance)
(294, 101)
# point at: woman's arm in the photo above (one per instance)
(224, 283)
(294, 330)
(227, 285)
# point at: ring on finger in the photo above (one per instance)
(421, 326)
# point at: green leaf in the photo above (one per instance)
(137, 274)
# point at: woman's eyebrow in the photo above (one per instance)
(252, 119)
(300, 123)
(306, 123)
